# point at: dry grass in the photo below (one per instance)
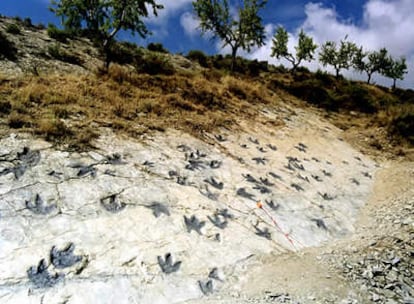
(63, 109)
(70, 109)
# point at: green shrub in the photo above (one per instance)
(18, 120)
(403, 126)
(5, 107)
(357, 97)
(13, 29)
(154, 64)
(124, 53)
(56, 52)
(302, 69)
(40, 26)
(327, 79)
(404, 96)
(200, 57)
(280, 69)
(314, 92)
(58, 34)
(27, 22)
(7, 49)
(241, 65)
(157, 47)
(255, 67)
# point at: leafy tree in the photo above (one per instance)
(371, 62)
(395, 69)
(103, 19)
(340, 57)
(242, 31)
(304, 50)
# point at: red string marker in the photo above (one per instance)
(260, 206)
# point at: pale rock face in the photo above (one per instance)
(170, 218)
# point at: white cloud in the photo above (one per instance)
(190, 24)
(385, 24)
(171, 7)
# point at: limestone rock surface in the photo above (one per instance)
(170, 218)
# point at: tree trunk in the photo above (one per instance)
(106, 48)
(295, 66)
(394, 83)
(233, 58)
(369, 78)
(337, 72)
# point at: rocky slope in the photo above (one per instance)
(171, 218)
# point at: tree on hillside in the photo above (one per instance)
(371, 62)
(245, 30)
(339, 57)
(103, 19)
(304, 50)
(395, 69)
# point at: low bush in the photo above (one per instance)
(313, 91)
(18, 120)
(7, 49)
(53, 129)
(357, 97)
(56, 52)
(27, 22)
(200, 57)
(254, 67)
(124, 53)
(327, 79)
(155, 64)
(5, 107)
(404, 96)
(13, 29)
(302, 69)
(402, 125)
(157, 47)
(58, 34)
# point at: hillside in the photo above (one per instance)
(170, 180)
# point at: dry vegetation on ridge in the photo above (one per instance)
(62, 95)
(67, 109)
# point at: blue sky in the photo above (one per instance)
(370, 23)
